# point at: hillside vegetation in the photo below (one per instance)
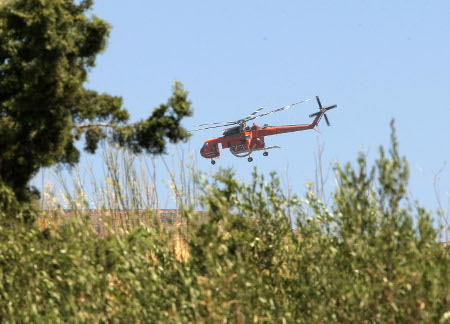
(251, 255)
(241, 252)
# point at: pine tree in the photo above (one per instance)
(47, 48)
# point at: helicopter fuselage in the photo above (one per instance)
(248, 139)
(242, 140)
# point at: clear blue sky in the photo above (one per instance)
(377, 60)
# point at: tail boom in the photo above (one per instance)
(275, 130)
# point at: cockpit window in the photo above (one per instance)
(204, 147)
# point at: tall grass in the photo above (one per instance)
(125, 190)
(360, 255)
(122, 195)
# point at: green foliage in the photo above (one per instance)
(11, 208)
(152, 134)
(47, 49)
(369, 257)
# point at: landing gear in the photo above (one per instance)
(213, 162)
(250, 159)
(266, 153)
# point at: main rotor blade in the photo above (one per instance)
(277, 110)
(228, 122)
(326, 119)
(252, 114)
(198, 129)
(233, 122)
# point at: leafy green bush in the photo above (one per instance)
(370, 257)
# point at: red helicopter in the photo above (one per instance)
(242, 140)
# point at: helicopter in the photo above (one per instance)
(243, 140)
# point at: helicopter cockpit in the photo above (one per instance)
(210, 150)
(204, 147)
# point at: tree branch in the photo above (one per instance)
(81, 126)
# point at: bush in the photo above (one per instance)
(369, 257)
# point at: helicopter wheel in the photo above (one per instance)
(266, 153)
(213, 162)
(250, 159)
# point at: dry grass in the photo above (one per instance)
(123, 193)
(123, 196)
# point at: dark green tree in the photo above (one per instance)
(47, 48)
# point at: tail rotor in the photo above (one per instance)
(321, 109)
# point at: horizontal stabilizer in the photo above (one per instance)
(267, 148)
